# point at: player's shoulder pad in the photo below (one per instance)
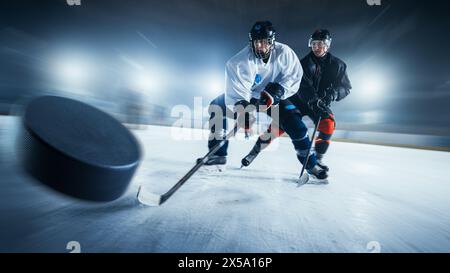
(337, 61)
(243, 55)
(285, 52)
(283, 48)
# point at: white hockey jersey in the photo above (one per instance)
(247, 76)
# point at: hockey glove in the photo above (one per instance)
(330, 96)
(319, 108)
(272, 94)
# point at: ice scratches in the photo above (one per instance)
(235, 196)
(251, 177)
(317, 182)
(212, 169)
(236, 200)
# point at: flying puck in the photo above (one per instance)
(77, 149)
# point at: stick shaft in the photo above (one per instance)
(194, 169)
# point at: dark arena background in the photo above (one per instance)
(154, 67)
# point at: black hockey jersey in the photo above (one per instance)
(322, 75)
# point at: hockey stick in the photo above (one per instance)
(151, 199)
(304, 178)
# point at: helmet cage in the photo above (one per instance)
(259, 55)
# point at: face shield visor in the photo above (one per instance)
(319, 43)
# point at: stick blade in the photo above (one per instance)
(303, 179)
(148, 198)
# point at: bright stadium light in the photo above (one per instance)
(72, 71)
(144, 75)
(146, 81)
(215, 83)
(210, 83)
(370, 84)
(373, 86)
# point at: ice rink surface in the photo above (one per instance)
(379, 199)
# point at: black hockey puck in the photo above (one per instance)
(78, 149)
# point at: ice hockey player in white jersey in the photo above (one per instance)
(325, 80)
(261, 76)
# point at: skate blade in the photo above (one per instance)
(213, 168)
(316, 181)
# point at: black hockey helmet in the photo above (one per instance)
(262, 30)
(320, 35)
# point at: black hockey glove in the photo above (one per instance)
(319, 108)
(244, 114)
(330, 96)
(272, 94)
